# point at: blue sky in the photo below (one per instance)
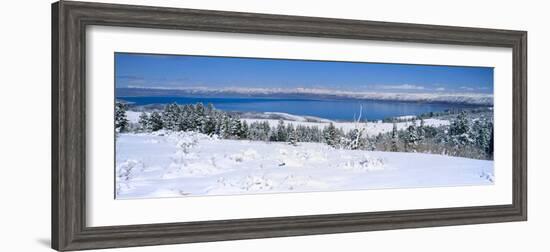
(169, 71)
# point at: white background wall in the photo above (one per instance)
(25, 125)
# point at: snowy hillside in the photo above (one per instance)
(166, 164)
(371, 128)
(284, 116)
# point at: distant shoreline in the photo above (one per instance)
(479, 99)
(308, 110)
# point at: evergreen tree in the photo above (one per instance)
(429, 132)
(225, 126)
(243, 134)
(331, 135)
(281, 132)
(219, 122)
(460, 125)
(490, 148)
(459, 130)
(170, 117)
(155, 121)
(315, 134)
(369, 144)
(291, 133)
(255, 131)
(273, 135)
(200, 117)
(305, 134)
(266, 131)
(187, 118)
(121, 121)
(209, 126)
(483, 131)
(234, 126)
(394, 138)
(411, 137)
(144, 121)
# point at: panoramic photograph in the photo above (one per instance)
(191, 125)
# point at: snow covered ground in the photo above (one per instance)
(285, 116)
(372, 128)
(133, 116)
(171, 164)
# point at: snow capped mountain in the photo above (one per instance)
(462, 98)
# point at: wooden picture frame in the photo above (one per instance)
(69, 20)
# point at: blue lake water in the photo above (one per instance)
(341, 110)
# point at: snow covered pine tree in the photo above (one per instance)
(121, 121)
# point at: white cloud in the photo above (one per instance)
(401, 87)
(467, 88)
(440, 89)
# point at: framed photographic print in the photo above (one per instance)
(178, 125)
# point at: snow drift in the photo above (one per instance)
(168, 164)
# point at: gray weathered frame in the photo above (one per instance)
(69, 20)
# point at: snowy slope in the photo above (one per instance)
(189, 164)
(133, 116)
(291, 117)
(372, 128)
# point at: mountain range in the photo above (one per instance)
(309, 93)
